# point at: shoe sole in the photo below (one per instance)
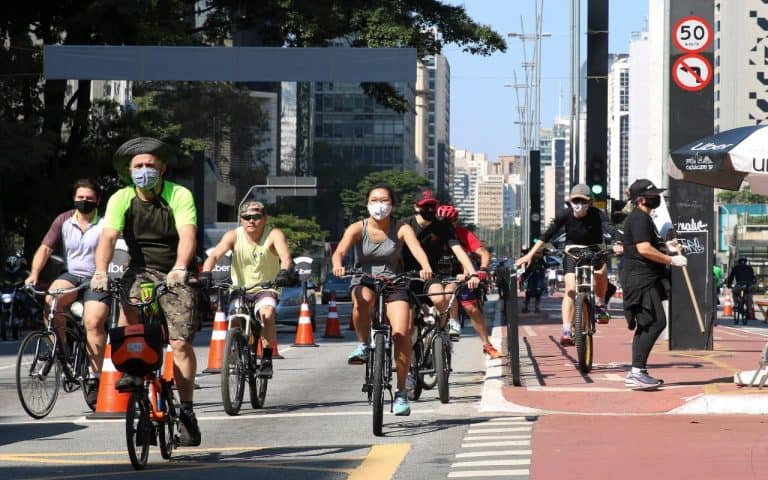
(355, 361)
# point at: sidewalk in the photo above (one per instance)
(695, 382)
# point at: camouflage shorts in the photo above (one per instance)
(178, 305)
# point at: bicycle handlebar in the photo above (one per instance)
(56, 292)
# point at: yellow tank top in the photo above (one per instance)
(253, 263)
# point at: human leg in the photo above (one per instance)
(363, 299)
(567, 308)
(651, 322)
(94, 316)
(478, 323)
(398, 314)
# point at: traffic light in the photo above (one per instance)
(596, 177)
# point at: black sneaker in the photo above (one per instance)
(127, 382)
(189, 432)
(266, 369)
(91, 386)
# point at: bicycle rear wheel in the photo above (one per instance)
(170, 426)
(378, 383)
(440, 360)
(258, 387)
(37, 389)
(233, 372)
(417, 358)
(138, 429)
(582, 325)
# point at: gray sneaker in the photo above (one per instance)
(641, 381)
(454, 329)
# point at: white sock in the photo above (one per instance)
(637, 370)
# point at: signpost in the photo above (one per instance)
(692, 72)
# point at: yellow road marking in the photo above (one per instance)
(381, 463)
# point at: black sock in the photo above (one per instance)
(266, 354)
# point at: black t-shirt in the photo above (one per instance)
(436, 239)
(587, 230)
(636, 269)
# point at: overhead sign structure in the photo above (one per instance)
(692, 34)
(692, 72)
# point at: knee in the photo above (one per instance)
(267, 313)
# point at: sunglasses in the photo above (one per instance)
(254, 216)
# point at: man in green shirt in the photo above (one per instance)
(157, 219)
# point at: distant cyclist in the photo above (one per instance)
(742, 278)
(584, 224)
(469, 297)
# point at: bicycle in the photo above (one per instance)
(378, 364)
(740, 314)
(432, 349)
(588, 258)
(239, 362)
(152, 416)
(46, 363)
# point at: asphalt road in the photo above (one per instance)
(316, 424)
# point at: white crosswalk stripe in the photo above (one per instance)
(495, 448)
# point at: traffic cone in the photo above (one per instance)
(304, 335)
(275, 352)
(110, 403)
(217, 342)
(728, 306)
(168, 364)
(332, 327)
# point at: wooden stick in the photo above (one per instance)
(693, 298)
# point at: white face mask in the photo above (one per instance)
(379, 210)
(580, 209)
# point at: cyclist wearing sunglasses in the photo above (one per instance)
(260, 254)
(584, 224)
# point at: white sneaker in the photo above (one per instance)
(454, 329)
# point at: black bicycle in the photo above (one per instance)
(740, 314)
(152, 416)
(240, 362)
(588, 259)
(46, 361)
(432, 350)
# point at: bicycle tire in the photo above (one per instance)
(440, 360)
(416, 362)
(582, 323)
(258, 387)
(233, 372)
(37, 393)
(138, 429)
(428, 380)
(378, 383)
(80, 370)
(166, 434)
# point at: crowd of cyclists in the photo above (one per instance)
(157, 220)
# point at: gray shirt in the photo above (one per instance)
(383, 258)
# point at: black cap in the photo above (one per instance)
(642, 188)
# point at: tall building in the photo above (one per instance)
(618, 124)
(432, 123)
(741, 92)
(489, 201)
(468, 168)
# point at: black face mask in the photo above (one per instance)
(428, 215)
(652, 202)
(85, 206)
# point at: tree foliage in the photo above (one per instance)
(744, 195)
(405, 185)
(299, 232)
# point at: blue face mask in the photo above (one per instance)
(145, 178)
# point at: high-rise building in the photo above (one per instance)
(489, 201)
(618, 124)
(468, 168)
(432, 123)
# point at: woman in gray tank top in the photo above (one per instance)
(378, 242)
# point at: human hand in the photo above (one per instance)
(473, 281)
(425, 273)
(339, 271)
(523, 261)
(176, 277)
(31, 279)
(99, 282)
(679, 261)
(618, 248)
(283, 278)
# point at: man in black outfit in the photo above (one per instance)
(745, 279)
(584, 224)
(644, 277)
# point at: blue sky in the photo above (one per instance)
(482, 109)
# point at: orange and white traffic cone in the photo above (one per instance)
(332, 327)
(304, 335)
(168, 364)
(218, 336)
(728, 306)
(110, 403)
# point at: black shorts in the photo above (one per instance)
(419, 288)
(569, 264)
(393, 292)
(89, 294)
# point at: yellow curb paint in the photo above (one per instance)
(381, 463)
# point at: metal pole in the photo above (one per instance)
(575, 85)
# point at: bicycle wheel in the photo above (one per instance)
(416, 361)
(233, 372)
(79, 367)
(258, 387)
(378, 383)
(138, 429)
(167, 432)
(582, 326)
(440, 359)
(38, 374)
(428, 380)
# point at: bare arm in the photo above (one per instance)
(647, 251)
(42, 254)
(105, 249)
(351, 236)
(281, 247)
(226, 244)
(485, 257)
(186, 249)
(525, 260)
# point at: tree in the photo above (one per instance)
(405, 185)
(744, 195)
(299, 232)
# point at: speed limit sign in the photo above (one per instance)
(692, 34)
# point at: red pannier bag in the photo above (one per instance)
(138, 349)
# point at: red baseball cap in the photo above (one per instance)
(426, 197)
